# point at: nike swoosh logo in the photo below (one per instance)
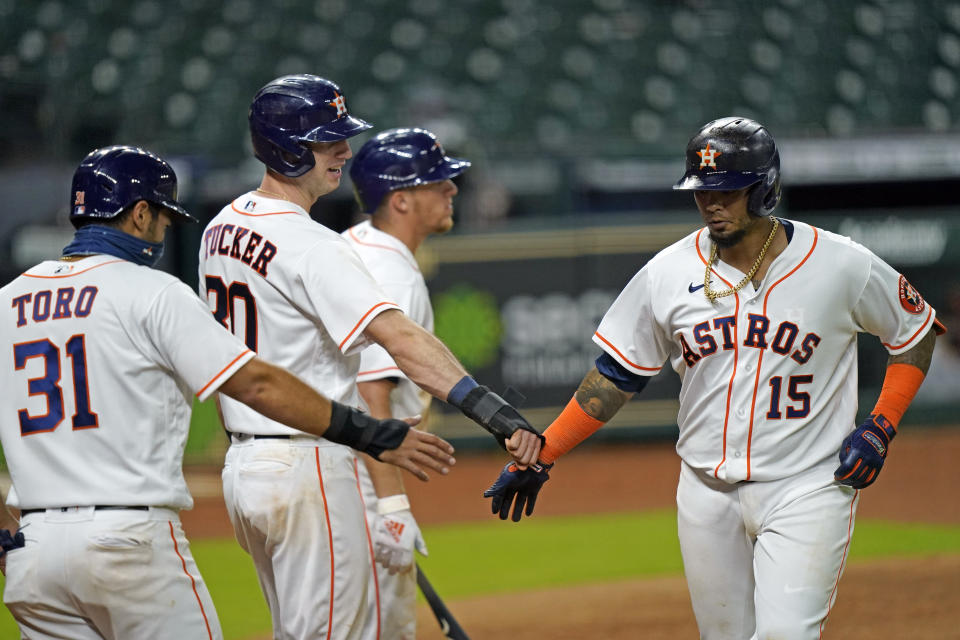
(692, 288)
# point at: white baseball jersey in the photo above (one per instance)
(769, 376)
(301, 297)
(769, 391)
(295, 291)
(105, 359)
(394, 267)
(392, 598)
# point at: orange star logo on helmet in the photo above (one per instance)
(340, 104)
(708, 157)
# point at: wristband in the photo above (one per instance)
(493, 413)
(571, 427)
(465, 385)
(392, 504)
(362, 432)
(899, 386)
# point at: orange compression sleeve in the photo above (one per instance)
(571, 427)
(899, 386)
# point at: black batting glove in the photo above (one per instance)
(518, 487)
(863, 452)
(10, 541)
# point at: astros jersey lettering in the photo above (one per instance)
(92, 414)
(295, 291)
(394, 267)
(769, 376)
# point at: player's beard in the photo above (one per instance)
(735, 236)
(729, 240)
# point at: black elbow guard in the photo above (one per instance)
(362, 432)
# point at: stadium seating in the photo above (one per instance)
(607, 77)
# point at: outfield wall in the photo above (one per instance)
(519, 309)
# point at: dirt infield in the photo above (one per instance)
(892, 598)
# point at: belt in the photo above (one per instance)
(257, 436)
(99, 507)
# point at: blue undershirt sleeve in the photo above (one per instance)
(620, 376)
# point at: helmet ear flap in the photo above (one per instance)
(755, 199)
(295, 162)
(773, 192)
(765, 195)
(280, 150)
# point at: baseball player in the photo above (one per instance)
(299, 295)
(103, 358)
(759, 316)
(402, 178)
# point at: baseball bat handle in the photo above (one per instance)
(448, 624)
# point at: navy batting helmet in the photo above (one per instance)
(292, 111)
(735, 153)
(111, 179)
(397, 159)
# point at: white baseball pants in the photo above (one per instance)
(296, 509)
(763, 559)
(89, 574)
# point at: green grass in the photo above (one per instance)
(876, 539)
(206, 442)
(494, 556)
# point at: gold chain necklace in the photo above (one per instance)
(279, 196)
(713, 295)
